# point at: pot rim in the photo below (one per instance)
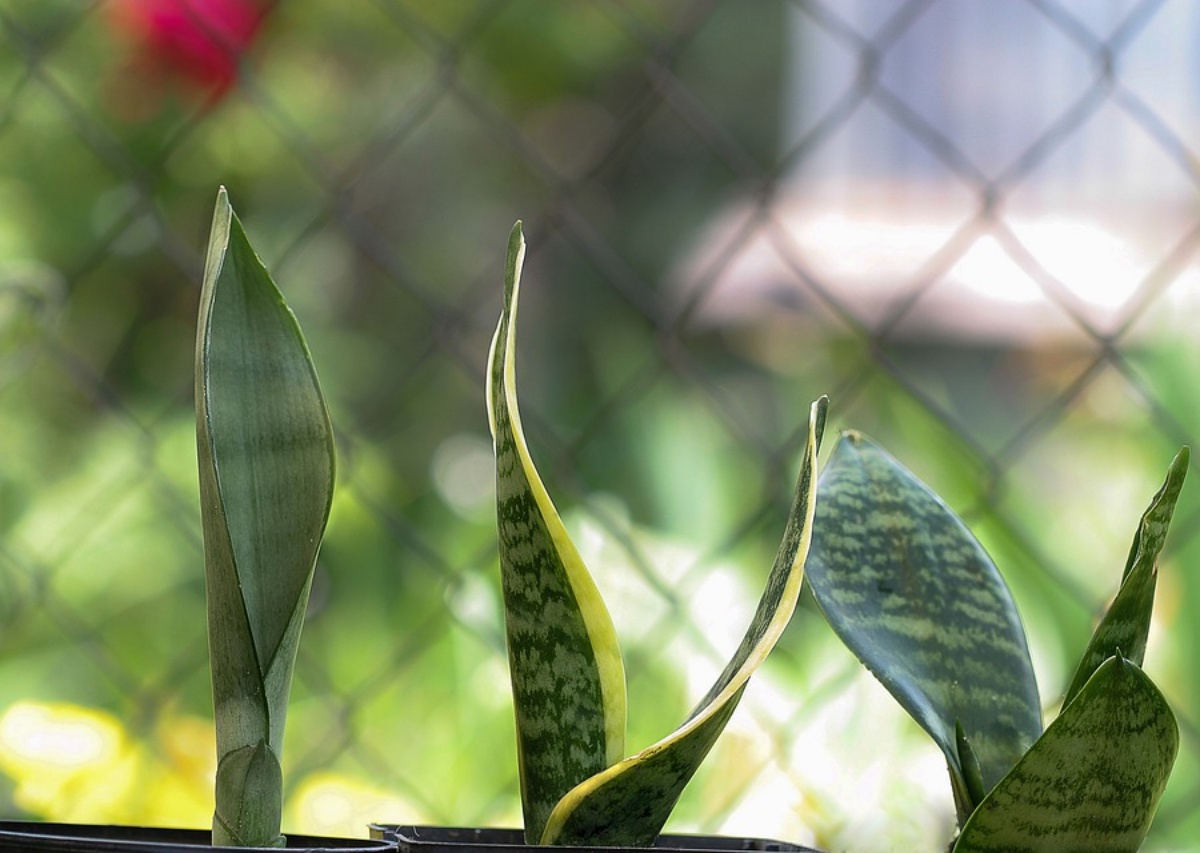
(457, 839)
(115, 838)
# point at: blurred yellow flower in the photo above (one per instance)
(333, 804)
(75, 764)
(67, 762)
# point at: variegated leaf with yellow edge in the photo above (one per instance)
(568, 680)
(567, 677)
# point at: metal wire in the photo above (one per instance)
(654, 187)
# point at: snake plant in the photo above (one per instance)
(577, 785)
(265, 450)
(914, 595)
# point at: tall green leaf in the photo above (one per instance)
(265, 449)
(568, 680)
(628, 804)
(1126, 623)
(913, 594)
(1092, 782)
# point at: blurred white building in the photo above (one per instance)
(1001, 172)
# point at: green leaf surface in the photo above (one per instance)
(568, 680)
(1126, 624)
(253, 778)
(265, 451)
(1092, 782)
(916, 598)
(628, 804)
(973, 779)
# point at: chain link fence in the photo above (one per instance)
(973, 225)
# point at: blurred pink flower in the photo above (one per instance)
(191, 44)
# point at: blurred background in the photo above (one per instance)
(975, 226)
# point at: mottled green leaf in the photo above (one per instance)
(628, 804)
(265, 449)
(568, 681)
(1126, 624)
(913, 594)
(1091, 783)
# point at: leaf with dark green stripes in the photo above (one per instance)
(914, 595)
(1092, 782)
(628, 804)
(265, 449)
(1126, 623)
(568, 681)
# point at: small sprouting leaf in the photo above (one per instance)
(1092, 782)
(1126, 623)
(253, 778)
(972, 778)
(568, 680)
(628, 804)
(265, 450)
(913, 594)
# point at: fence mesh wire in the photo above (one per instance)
(973, 226)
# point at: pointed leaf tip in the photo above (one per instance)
(1125, 625)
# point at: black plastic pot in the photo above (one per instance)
(448, 839)
(35, 837)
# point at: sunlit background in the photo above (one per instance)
(974, 225)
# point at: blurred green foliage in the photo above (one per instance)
(378, 153)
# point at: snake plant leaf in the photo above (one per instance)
(1093, 780)
(914, 595)
(973, 779)
(265, 451)
(628, 804)
(254, 778)
(568, 680)
(1126, 624)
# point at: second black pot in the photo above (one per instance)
(447, 839)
